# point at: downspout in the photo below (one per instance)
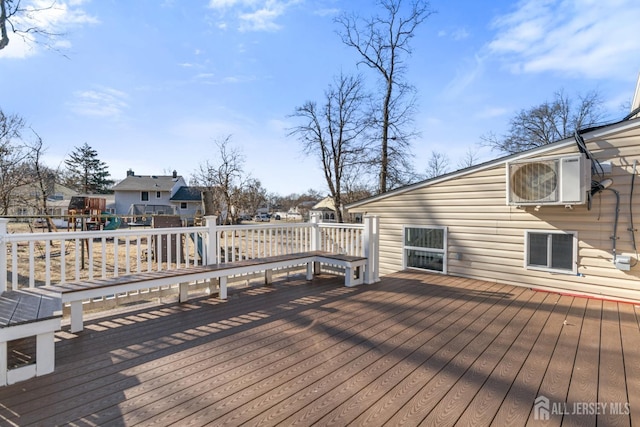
(615, 223)
(631, 226)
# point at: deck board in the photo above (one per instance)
(533, 356)
(415, 348)
(612, 387)
(555, 383)
(629, 335)
(584, 376)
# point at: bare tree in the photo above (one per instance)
(16, 19)
(333, 131)
(13, 173)
(438, 164)
(225, 179)
(469, 159)
(548, 122)
(252, 196)
(44, 179)
(383, 42)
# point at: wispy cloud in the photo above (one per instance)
(50, 17)
(251, 15)
(584, 38)
(327, 12)
(464, 77)
(455, 34)
(213, 79)
(491, 112)
(102, 102)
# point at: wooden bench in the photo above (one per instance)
(353, 266)
(24, 314)
(75, 293)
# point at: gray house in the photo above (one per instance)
(147, 194)
(187, 203)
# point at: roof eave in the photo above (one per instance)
(590, 134)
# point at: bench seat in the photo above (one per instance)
(26, 313)
(75, 293)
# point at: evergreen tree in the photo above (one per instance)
(86, 173)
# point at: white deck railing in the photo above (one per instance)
(36, 259)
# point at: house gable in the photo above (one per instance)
(145, 190)
(487, 238)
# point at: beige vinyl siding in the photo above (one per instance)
(489, 235)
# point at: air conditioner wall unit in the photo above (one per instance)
(558, 180)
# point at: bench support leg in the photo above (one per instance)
(184, 292)
(268, 277)
(354, 275)
(45, 353)
(223, 288)
(359, 275)
(348, 276)
(76, 316)
(212, 285)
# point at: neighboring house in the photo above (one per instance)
(146, 194)
(532, 219)
(292, 215)
(187, 202)
(326, 209)
(28, 201)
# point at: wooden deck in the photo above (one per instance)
(413, 349)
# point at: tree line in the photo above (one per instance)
(26, 182)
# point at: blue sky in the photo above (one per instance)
(151, 84)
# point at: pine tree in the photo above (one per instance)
(86, 173)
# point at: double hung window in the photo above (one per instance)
(425, 247)
(551, 251)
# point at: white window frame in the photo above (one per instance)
(158, 195)
(142, 198)
(443, 251)
(574, 254)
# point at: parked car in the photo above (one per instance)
(263, 217)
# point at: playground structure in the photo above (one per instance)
(90, 214)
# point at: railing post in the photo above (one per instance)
(315, 231)
(212, 239)
(3, 254)
(370, 246)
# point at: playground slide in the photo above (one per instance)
(198, 243)
(113, 222)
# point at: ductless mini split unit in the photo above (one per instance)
(559, 180)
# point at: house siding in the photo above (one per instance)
(486, 237)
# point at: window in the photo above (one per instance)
(144, 196)
(183, 205)
(424, 248)
(158, 195)
(551, 251)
